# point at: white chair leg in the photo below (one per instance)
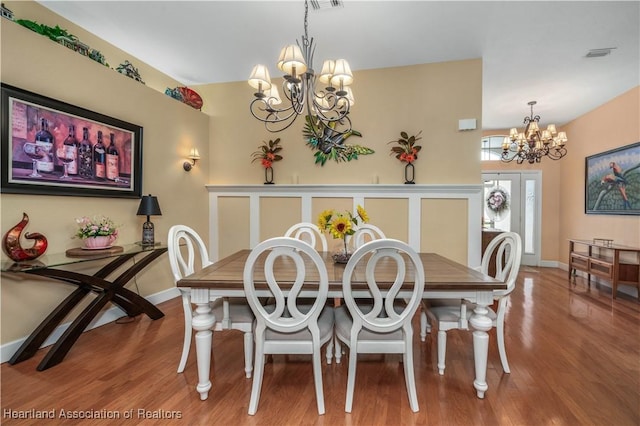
(329, 353)
(351, 380)
(257, 380)
(424, 325)
(186, 344)
(338, 349)
(317, 378)
(501, 348)
(248, 353)
(409, 377)
(442, 350)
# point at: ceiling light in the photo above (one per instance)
(532, 144)
(325, 97)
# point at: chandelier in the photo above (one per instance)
(325, 97)
(532, 144)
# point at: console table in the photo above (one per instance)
(602, 259)
(108, 290)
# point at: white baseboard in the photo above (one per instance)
(8, 349)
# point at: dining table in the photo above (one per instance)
(444, 279)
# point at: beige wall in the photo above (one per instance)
(35, 63)
(429, 97)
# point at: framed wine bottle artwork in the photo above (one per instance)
(50, 147)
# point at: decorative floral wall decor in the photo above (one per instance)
(331, 146)
(268, 153)
(407, 150)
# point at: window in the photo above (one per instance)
(491, 148)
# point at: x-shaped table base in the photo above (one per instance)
(107, 291)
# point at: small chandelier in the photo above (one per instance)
(533, 144)
(325, 97)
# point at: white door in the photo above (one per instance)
(522, 211)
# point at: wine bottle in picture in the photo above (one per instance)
(85, 156)
(71, 145)
(99, 159)
(113, 169)
(44, 140)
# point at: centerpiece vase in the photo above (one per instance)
(342, 254)
(268, 176)
(99, 242)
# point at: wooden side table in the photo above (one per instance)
(601, 258)
(107, 290)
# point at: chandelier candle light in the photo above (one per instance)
(533, 144)
(326, 96)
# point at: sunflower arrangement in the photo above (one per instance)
(268, 153)
(341, 224)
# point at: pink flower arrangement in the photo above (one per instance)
(98, 226)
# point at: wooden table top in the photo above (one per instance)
(440, 274)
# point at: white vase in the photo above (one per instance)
(101, 242)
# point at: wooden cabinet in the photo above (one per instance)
(607, 261)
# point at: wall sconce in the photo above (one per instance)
(194, 156)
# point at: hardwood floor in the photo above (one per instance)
(574, 355)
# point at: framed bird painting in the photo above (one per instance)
(612, 181)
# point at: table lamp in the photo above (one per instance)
(148, 207)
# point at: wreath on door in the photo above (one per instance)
(497, 202)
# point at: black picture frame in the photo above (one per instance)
(23, 113)
(612, 181)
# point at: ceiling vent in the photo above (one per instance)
(326, 4)
(596, 53)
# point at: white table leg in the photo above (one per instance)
(203, 322)
(481, 322)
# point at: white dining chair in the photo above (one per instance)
(286, 326)
(454, 314)
(309, 233)
(187, 252)
(364, 233)
(380, 322)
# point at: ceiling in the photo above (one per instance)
(531, 50)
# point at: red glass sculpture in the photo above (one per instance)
(12, 247)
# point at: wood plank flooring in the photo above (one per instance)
(574, 355)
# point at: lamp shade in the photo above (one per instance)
(193, 155)
(149, 206)
(292, 59)
(259, 78)
(327, 71)
(273, 96)
(342, 73)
